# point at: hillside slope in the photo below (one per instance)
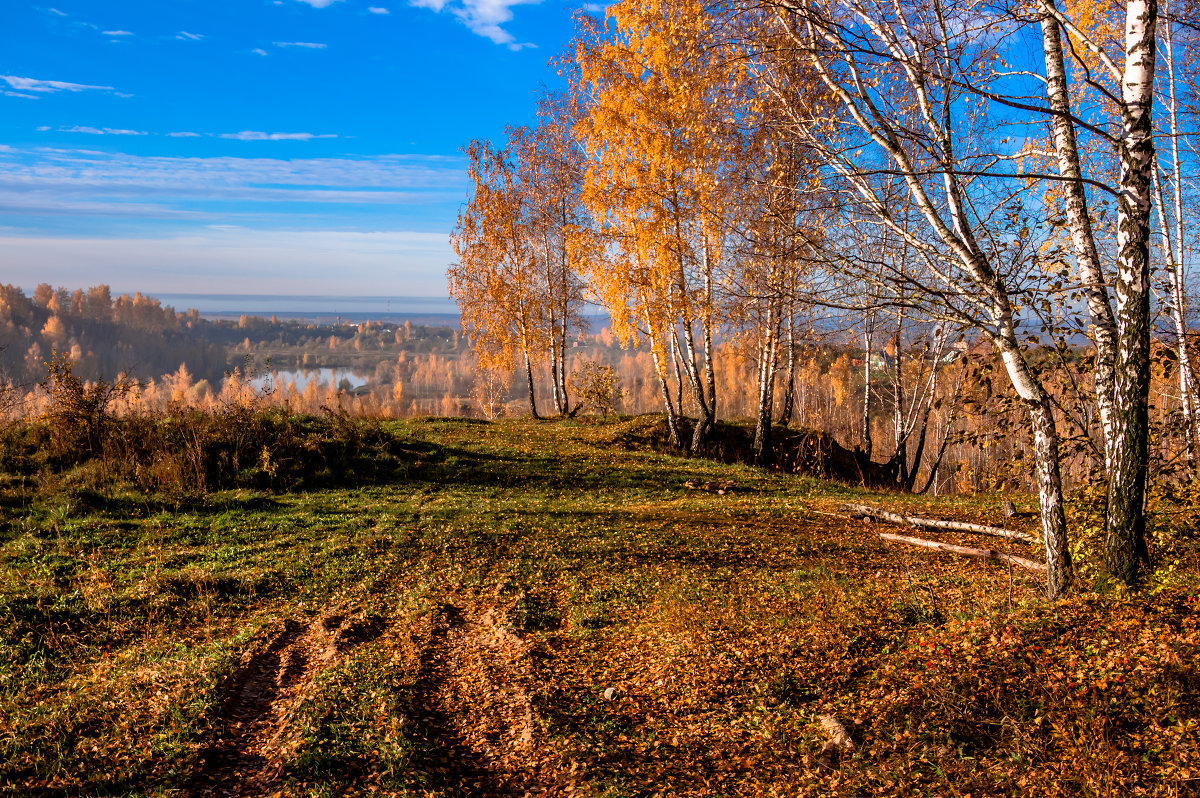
(533, 608)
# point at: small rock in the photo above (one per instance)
(609, 693)
(1010, 509)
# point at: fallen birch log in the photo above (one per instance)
(864, 511)
(964, 551)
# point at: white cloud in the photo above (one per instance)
(7, 93)
(48, 86)
(116, 33)
(194, 37)
(258, 135)
(484, 17)
(100, 131)
(57, 13)
(112, 179)
(377, 10)
(259, 51)
(320, 3)
(307, 45)
(183, 134)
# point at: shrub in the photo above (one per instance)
(78, 412)
(599, 388)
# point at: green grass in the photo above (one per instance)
(725, 624)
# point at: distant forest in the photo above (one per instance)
(138, 337)
(940, 409)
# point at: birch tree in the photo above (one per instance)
(1124, 78)
(655, 84)
(497, 283)
(895, 104)
(561, 239)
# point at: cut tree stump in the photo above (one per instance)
(865, 511)
(839, 742)
(964, 551)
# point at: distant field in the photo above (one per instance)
(546, 608)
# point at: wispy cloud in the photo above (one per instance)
(306, 45)
(484, 17)
(114, 177)
(96, 131)
(57, 13)
(48, 86)
(377, 10)
(259, 51)
(116, 33)
(84, 213)
(244, 135)
(320, 3)
(258, 135)
(192, 37)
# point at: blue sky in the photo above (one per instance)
(254, 146)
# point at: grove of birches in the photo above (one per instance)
(985, 205)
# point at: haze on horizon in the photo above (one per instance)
(269, 147)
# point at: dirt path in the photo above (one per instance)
(471, 709)
(243, 756)
(471, 703)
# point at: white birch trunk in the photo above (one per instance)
(1126, 554)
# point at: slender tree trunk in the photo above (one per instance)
(868, 338)
(698, 381)
(899, 457)
(672, 418)
(1174, 254)
(554, 290)
(766, 387)
(660, 371)
(1060, 571)
(675, 360)
(704, 420)
(562, 365)
(1187, 376)
(910, 478)
(1126, 554)
(691, 365)
(529, 378)
(555, 362)
(1066, 147)
(1186, 398)
(710, 374)
(789, 386)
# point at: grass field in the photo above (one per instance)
(546, 608)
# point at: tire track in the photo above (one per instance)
(475, 722)
(243, 756)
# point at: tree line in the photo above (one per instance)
(921, 173)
